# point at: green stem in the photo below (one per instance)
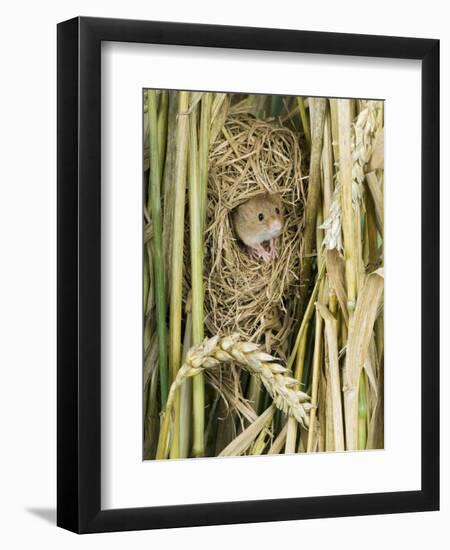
(154, 207)
(315, 380)
(203, 151)
(152, 419)
(146, 280)
(186, 394)
(299, 354)
(260, 443)
(163, 112)
(304, 119)
(176, 298)
(196, 236)
(304, 325)
(362, 412)
(276, 104)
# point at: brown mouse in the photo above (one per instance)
(259, 220)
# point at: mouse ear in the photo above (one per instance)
(238, 210)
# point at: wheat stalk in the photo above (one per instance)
(364, 132)
(215, 351)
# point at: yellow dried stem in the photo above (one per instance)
(336, 278)
(348, 215)
(278, 444)
(334, 377)
(197, 246)
(243, 441)
(291, 436)
(318, 109)
(329, 428)
(219, 112)
(327, 167)
(360, 331)
(334, 127)
(377, 159)
(375, 186)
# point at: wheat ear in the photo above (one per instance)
(364, 131)
(215, 351)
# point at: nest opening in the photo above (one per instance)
(254, 298)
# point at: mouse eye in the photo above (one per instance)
(277, 210)
(260, 216)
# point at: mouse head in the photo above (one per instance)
(262, 216)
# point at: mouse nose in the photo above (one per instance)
(275, 226)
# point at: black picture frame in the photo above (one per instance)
(79, 280)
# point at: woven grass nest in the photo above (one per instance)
(243, 295)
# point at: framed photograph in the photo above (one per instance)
(248, 275)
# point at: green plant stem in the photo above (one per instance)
(203, 152)
(186, 394)
(197, 245)
(304, 119)
(315, 380)
(291, 437)
(152, 417)
(308, 354)
(260, 443)
(177, 258)
(163, 111)
(169, 186)
(362, 412)
(154, 207)
(304, 324)
(146, 280)
(317, 354)
(298, 355)
(327, 167)
(276, 104)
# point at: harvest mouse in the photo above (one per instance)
(258, 220)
